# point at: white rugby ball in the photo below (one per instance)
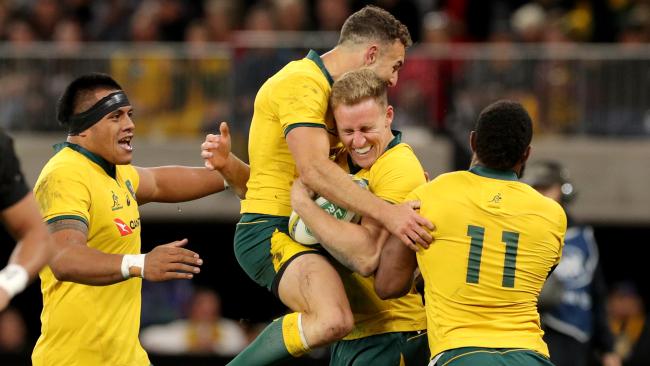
(301, 233)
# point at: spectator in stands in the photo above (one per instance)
(423, 94)
(220, 19)
(574, 319)
(291, 15)
(331, 14)
(629, 323)
(203, 332)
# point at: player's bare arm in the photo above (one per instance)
(357, 247)
(176, 184)
(394, 275)
(310, 149)
(76, 262)
(217, 155)
(33, 243)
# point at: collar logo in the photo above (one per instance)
(123, 228)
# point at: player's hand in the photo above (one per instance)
(300, 193)
(406, 224)
(4, 299)
(215, 150)
(170, 262)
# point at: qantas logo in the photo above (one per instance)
(122, 227)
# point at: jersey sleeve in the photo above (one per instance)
(64, 194)
(562, 226)
(397, 175)
(12, 182)
(301, 101)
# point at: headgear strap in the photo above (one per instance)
(84, 120)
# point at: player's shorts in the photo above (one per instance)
(388, 349)
(471, 356)
(264, 248)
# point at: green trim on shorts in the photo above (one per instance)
(469, 356)
(253, 248)
(386, 349)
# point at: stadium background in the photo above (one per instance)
(582, 68)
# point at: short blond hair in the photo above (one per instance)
(355, 86)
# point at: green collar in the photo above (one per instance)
(397, 138)
(108, 167)
(312, 55)
(494, 173)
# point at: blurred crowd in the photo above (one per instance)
(69, 21)
(189, 64)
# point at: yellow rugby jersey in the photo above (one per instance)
(495, 241)
(295, 96)
(395, 173)
(90, 325)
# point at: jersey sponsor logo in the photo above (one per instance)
(116, 202)
(123, 228)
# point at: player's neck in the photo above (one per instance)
(340, 60)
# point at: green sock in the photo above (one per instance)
(270, 347)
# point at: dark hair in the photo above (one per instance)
(503, 132)
(374, 23)
(78, 95)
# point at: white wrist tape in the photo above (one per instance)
(132, 260)
(13, 279)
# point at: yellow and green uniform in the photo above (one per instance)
(296, 96)
(90, 325)
(392, 176)
(495, 241)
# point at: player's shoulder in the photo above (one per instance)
(66, 164)
(399, 153)
(299, 72)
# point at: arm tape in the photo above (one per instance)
(13, 279)
(132, 260)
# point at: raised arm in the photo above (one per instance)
(310, 149)
(357, 247)
(76, 262)
(215, 151)
(394, 275)
(177, 183)
(33, 243)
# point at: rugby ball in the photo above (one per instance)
(301, 233)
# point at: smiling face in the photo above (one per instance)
(111, 137)
(364, 129)
(388, 62)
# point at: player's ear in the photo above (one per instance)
(371, 55)
(390, 113)
(472, 140)
(526, 155)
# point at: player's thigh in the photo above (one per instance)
(471, 356)
(388, 349)
(306, 280)
(255, 252)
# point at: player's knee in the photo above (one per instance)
(337, 324)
